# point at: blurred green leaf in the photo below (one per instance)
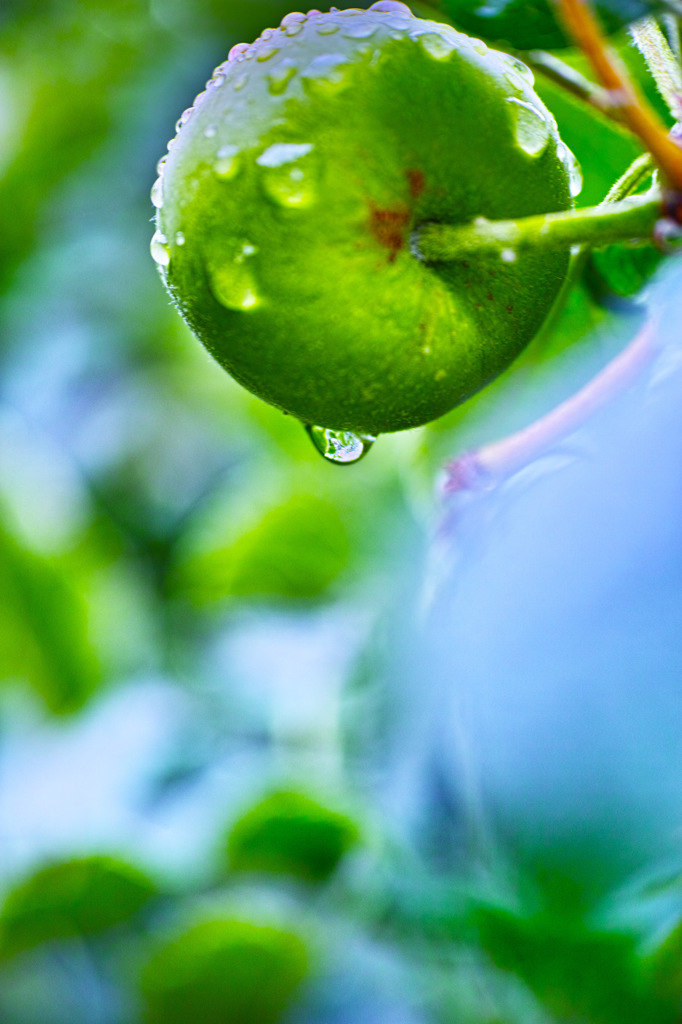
(71, 898)
(44, 628)
(224, 972)
(297, 550)
(578, 973)
(288, 833)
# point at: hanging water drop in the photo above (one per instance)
(521, 69)
(531, 127)
(158, 247)
(340, 446)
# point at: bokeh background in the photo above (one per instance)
(267, 750)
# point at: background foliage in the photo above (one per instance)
(231, 742)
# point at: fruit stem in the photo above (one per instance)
(661, 61)
(638, 115)
(557, 71)
(501, 459)
(636, 174)
(628, 220)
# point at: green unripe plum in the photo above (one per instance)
(287, 205)
(287, 833)
(224, 972)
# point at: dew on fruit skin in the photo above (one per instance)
(232, 282)
(509, 256)
(324, 73)
(361, 29)
(279, 79)
(184, 118)
(572, 167)
(156, 194)
(227, 162)
(327, 28)
(480, 48)
(521, 69)
(436, 45)
(342, 447)
(391, 6)
(161, 164)
(240, 82)
(531, 126)
(283, 153)
(293, 23)
(237, 51)
(285, 181)
(179, 238)
(267, 54)
(158, 247)
(210, 131)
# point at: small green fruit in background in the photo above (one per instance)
(224, 972)
(290, 834)
(534, 24)
(71, 898)
(287, 203)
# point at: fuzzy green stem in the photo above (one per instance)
(562, 74)
(627, 221)
(661, 61)
(637, 173)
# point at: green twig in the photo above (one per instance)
(661, 61)
(637, 173)
(629, 220)
(572, 81)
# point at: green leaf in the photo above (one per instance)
(578, 973)
(43, 628)
(224, 972)
(71, 898)
(288, 833)
(297, 550)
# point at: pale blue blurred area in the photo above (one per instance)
(549, 668)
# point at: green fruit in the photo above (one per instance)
(534, 24)
(224, 972)
(71, 898)
(290, 834)
(287, 203)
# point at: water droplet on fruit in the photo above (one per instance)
(362, 28)
(240, 82)
(575, 174)
(340, 446)
(508, 256)
(227, 162)
(210, 131)
(436, 45)
(280, 77)
(324, 73)
(267, 53)
(287, 174)
(158, 247)
(157, 193)
(293, 23)
(521, 69)
(480, 48)
(531, 127)
(162, 163)
(388, 6)
(232, 282)
(179, 238)
(327, 28)
(184, 118)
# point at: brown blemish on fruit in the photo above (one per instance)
(417, 183)
(509, 309)
(490, 297)
(388, 227)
